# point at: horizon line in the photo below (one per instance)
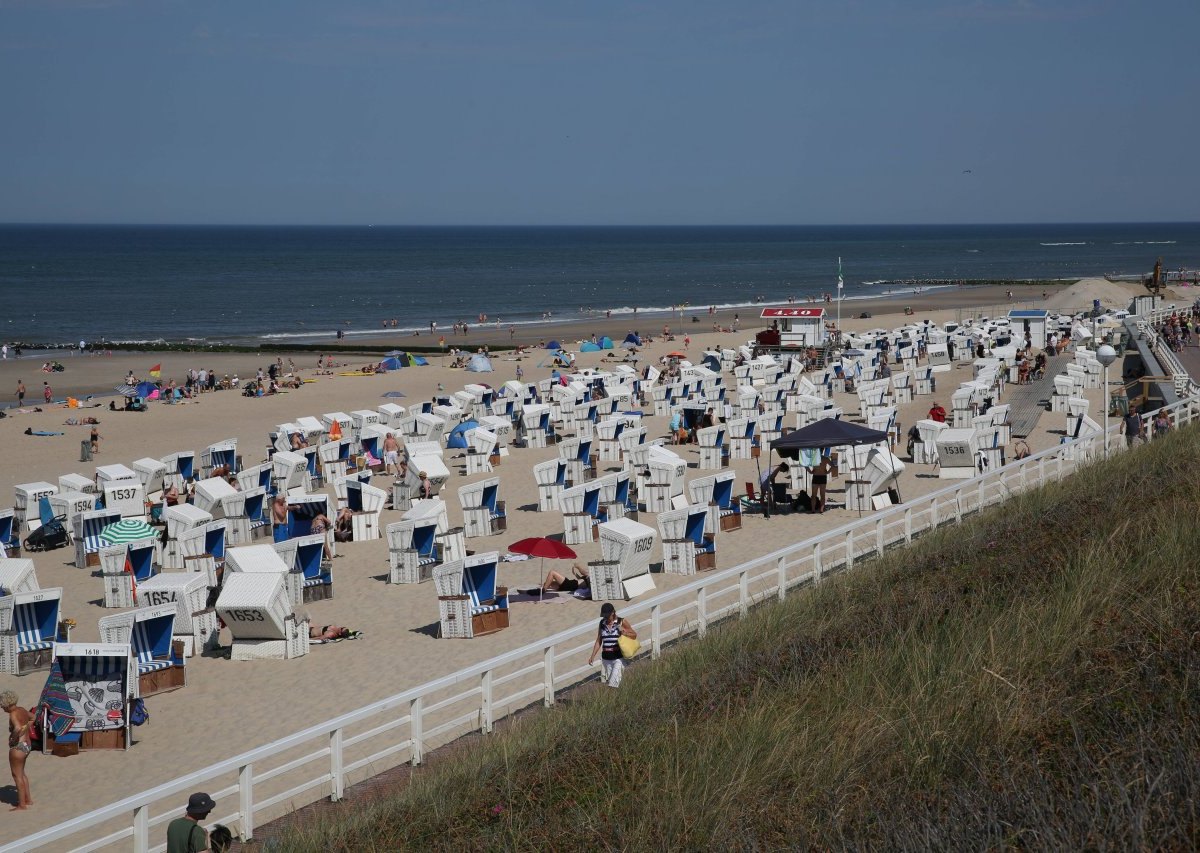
(14, 224)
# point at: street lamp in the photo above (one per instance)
(1106, 355)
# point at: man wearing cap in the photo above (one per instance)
(185, 834)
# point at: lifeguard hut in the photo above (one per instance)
(1028, 323)
(793, 327)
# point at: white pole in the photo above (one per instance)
(1105, 404)
(839, 304)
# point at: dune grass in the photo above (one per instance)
(1025, 679)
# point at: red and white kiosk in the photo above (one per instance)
(793, 327)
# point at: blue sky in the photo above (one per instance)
(571, 112)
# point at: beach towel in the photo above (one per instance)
(30, 431)
(59, 714)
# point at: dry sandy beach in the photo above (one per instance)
(229, 707)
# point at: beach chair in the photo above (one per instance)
(391, 413)
(686, 547)
(405, 489)
(256, 477)
(608, 431)
(371, 438)
(623, 571)
(29, 626)
(480, 451)
(310, 576)
(663, 479)
(100, 685)
(366, 503)
(180, 520)
(716, 492)
(195, 623)
(551, 477)
(302, 509)
(580, 507)
(27, 497)
(126, 496)
(483, 513)
(260, 616)
(210, 494)
(221, 454)
(152, 474)
(412, 550)
(713, 453)
(334, 458)
(180, 468)
(535, 418)
(245, 516)
(469, 601)
(151, 633)
(360, 419)
(87, 528)
(429, 427)
(17, 575)
(123, 568)
(10, 539)
(289, 472)
(203, 549)
(77, 483)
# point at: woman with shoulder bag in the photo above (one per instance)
(608, 645)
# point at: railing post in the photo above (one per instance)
(335, 765)
(933, 513)
(655, 632)
(702, 611)
(817, 562)
(907, 525)
(958, 505)
(781, 569)
(981, 499)
(246, 800)
(548, 675)
(415, 710)
(141, 828)
(744, 592)
(485, 707)
(879, 536)
(850, 548)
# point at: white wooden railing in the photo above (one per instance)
(323, 760)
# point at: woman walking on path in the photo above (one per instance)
(607, 645)
(20, 744)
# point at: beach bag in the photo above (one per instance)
(628, 646)
(138, 715)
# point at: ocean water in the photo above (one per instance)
(239, 284)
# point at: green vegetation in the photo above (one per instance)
(1027, 679)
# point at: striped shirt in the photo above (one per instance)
(609, 634)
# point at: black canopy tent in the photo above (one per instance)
(827, 432)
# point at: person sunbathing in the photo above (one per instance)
(558, 582)
(171, 496)
(298, 441)
(326, 633)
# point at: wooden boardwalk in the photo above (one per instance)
(1029, 401)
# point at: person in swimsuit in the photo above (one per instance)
(820, 479)
(20, 744)
(332, 632)
(320, 524)
(558, 582)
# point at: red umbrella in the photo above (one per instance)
(677, 354)
(540, 546)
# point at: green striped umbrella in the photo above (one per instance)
(126, 530)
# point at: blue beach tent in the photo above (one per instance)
(588, 346)
(554, 345)
(390, 364)
(606, 342)
(479, 363)
(631, 338)
(458, 435)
